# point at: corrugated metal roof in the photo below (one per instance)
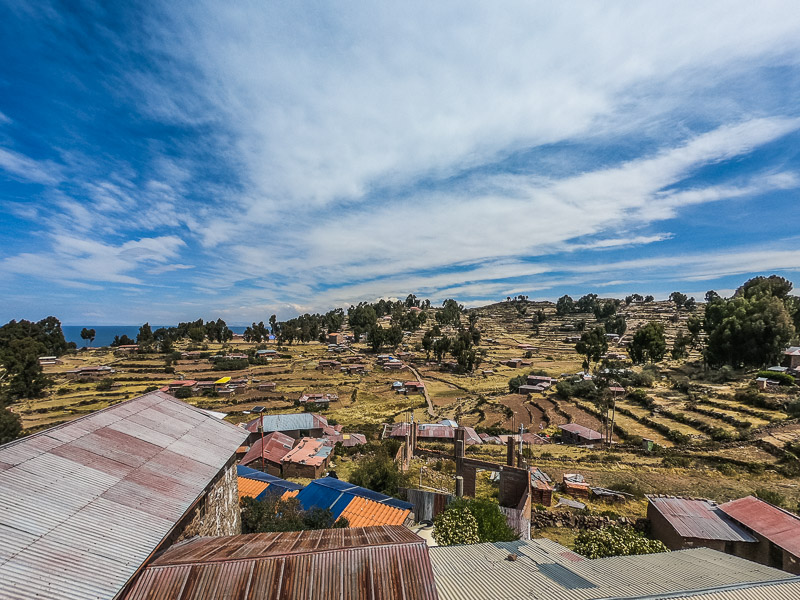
(328, 489)
(83, 504)
(777, 525)
(373, 563)
(275, 446)
(584, 432)
(484, 571)
(701, 519)
(288, 422)
(309, 451)
(784, 590)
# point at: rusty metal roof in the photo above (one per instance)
(276, 445)
(584, 432)
(700, 519)
(777, 525)
(83, 504)
(309, 451)
(375, 562)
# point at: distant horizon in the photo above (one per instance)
(288, 158)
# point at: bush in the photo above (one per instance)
(379, 472)
(274, 514)
(455, 525)
(782, 378)
(104, 385)
(492, 525)
(183, 393)
(230, 364)
(615, 541)
(770, 496)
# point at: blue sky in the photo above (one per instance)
(167, 161)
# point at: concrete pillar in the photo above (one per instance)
(459, 486)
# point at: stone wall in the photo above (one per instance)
(217, 513)
(578, 521)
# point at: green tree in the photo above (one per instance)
(88, 334)
(20, 358)
(615, 541)
(10, 425)
(593, 345)
(145, 336)
(274, 514)
(648, 344)
(380, 473)
(680, 346)
(750, 329)
(565, 305)
(678, 298)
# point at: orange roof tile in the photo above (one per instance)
(250, 488)
(367, 513)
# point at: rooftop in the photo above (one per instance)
(584, 432)
(777, 525)
(309, 451)
(288, 422)
(544, 569)
(275, 446)
(700, 519)
(361, 506)
(376, 563)
(84, 504)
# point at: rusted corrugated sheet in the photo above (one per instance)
(700, 519)
(376, 563)
(777, 525)
(276, 445)
(83, 504)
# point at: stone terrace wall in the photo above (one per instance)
(578, 521)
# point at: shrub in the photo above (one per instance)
(183, 393)
(676, 461)
(104, 385)
(770, 496)
(455, 525)
(230, 364)
(492, 525)
(274, 514)
(379, 472)
(615, 541)
(782, 378)
(62, 390)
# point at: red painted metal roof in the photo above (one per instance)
(84, 504)
(700, 519)
(777, 525)
(383, 562)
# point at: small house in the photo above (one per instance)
(572, 433)
(309, 458)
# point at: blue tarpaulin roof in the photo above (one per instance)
(336, 495)
(276, 484)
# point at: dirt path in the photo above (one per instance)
(424, 389)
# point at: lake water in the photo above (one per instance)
(104, 334)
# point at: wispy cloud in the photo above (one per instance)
(269, 157)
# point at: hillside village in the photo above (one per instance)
(261, 466)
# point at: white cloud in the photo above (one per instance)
(28, 169)
(76, 261)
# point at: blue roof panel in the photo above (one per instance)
(327, 491)
(249, 473)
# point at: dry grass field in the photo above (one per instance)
(681, 406)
